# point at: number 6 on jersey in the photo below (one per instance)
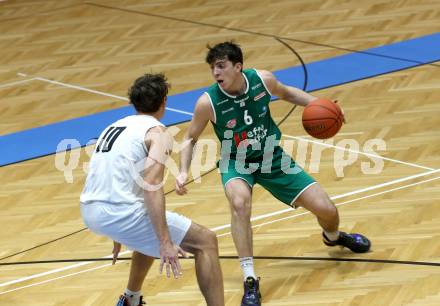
(247, 118)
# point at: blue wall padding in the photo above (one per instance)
(42, 141)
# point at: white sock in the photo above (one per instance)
(132, 297)
(247, 266)
(332, 236)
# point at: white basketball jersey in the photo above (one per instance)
(115, 169)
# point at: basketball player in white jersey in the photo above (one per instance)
(123, 198)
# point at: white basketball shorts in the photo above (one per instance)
(130, 225)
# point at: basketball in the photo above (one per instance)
(322, 118)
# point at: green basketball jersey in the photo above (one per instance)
(244, 120)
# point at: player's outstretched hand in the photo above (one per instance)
(116, 250)
(180, 183)
(169, 257)
(342, 111)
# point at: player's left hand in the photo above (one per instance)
(169, 257)
(342, 111)
(180, 183)
(116, 250)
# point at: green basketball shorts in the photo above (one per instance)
(278, 174)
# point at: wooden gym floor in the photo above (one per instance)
(104, 45)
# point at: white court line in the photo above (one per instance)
(339, 134)
(343, 203)
(59, 277)
(80, 88)
(279, 212)
(225, 226)
(102, 93)
(16, 83)
(359, 152)
(259, 225)
(179, 111)
(217, 228)
(56, 270)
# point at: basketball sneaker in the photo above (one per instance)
(357, 243)
(252, 295)
(123, 301)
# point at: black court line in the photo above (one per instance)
(284, 258)
(83, 229)
(306, 76)
(189, 182)
(254, 33)
(43, 244)
(278, 38)
(67, 150)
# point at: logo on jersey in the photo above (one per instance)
(257, 134)
(227, 110)
(221, 102)
(256, 86)
(242, 100)
(239, 137)
(264, 112)
(259, 96)
(231, 123)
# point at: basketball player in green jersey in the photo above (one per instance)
(237, 106)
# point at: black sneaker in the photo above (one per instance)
(252, 295)
(123, 301)
(355, 242)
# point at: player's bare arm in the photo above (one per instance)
(159, 144)
(202, 114)
(285, 92)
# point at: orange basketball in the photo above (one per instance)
(322, 118)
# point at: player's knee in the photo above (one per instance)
(210, 242)
(328, 210)
(322, 207)
(241, 207)
(211, 239)
(202, 240)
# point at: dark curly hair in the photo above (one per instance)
(229, 50)
(148, 92)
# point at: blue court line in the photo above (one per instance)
(42, 141)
